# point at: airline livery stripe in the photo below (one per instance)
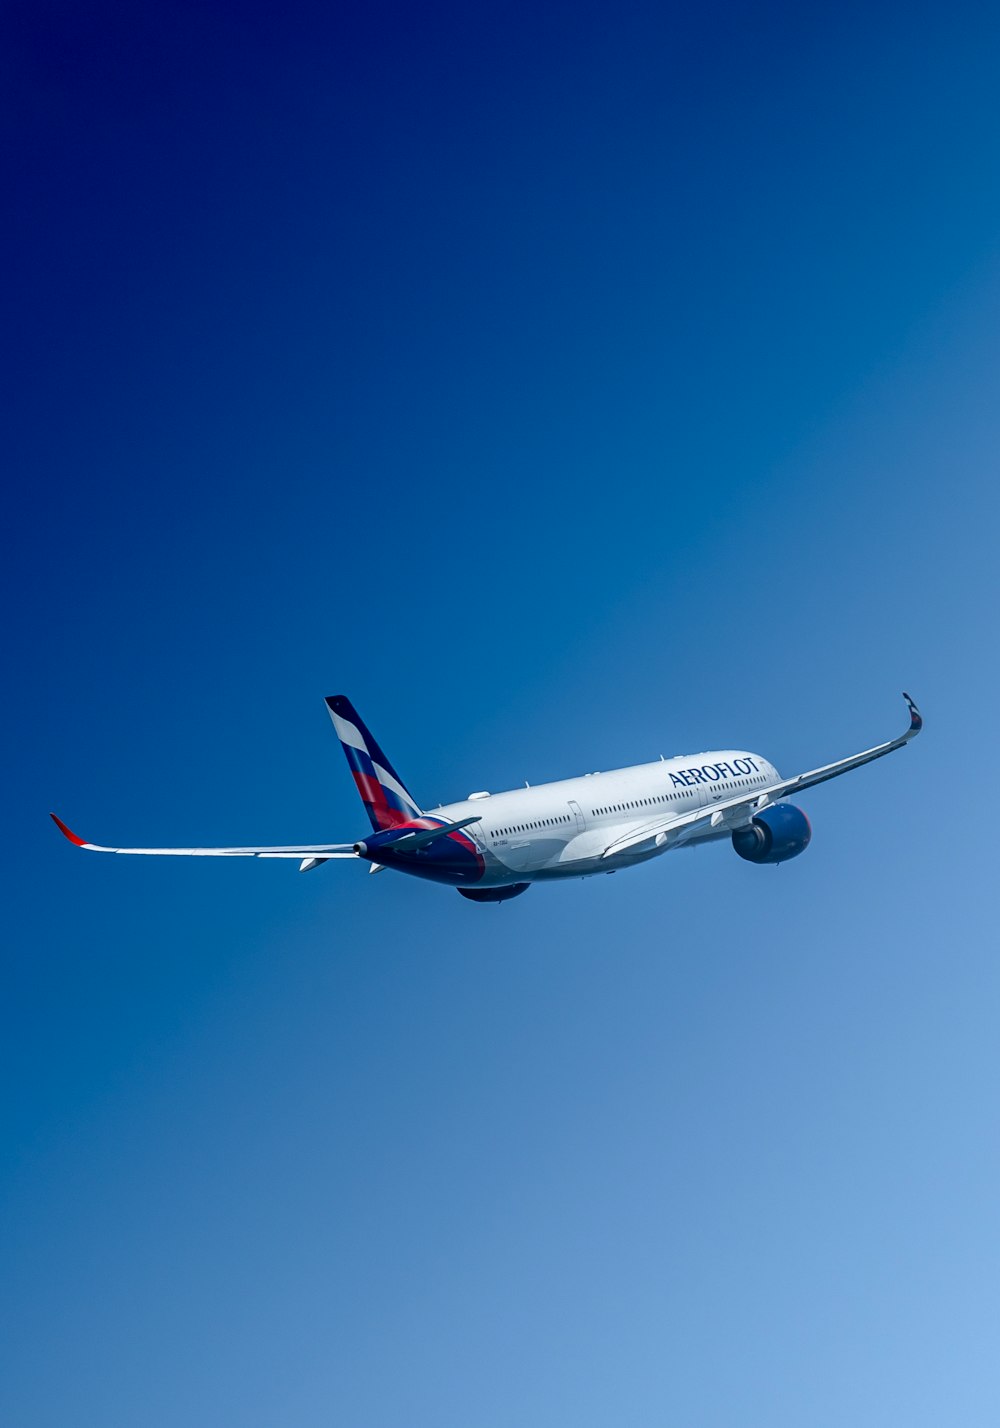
(347, 733)
(387, 780)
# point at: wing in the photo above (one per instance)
(311, 854)
(730, 813)
(308, 853)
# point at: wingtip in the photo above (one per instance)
(67, 832)
(916, 718)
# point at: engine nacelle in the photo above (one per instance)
(775, 835)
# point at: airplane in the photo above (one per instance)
(492, 847)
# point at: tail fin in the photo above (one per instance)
(382, 790)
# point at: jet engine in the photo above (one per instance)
(775, 835)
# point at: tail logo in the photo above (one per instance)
(382, 790)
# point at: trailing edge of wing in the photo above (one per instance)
(672, 827)
(317, 851)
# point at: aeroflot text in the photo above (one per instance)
(711, 773)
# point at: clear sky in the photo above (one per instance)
(568, 385)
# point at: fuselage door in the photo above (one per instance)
(577, 812)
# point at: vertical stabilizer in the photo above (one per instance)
(382, 790)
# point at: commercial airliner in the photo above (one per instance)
(492, 847)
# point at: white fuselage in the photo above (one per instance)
(569, 828)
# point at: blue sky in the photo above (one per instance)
(567, 387)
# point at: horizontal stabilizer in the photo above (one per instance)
(408, 840)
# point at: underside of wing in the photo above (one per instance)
(727, 814)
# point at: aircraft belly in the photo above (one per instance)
(528, 856)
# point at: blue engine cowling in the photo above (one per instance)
(775, 835)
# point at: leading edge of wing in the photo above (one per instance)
(304, 850)
(761, 796)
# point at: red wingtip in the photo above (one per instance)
(66, 831)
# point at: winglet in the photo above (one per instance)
(916, 719)
(66, 832)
